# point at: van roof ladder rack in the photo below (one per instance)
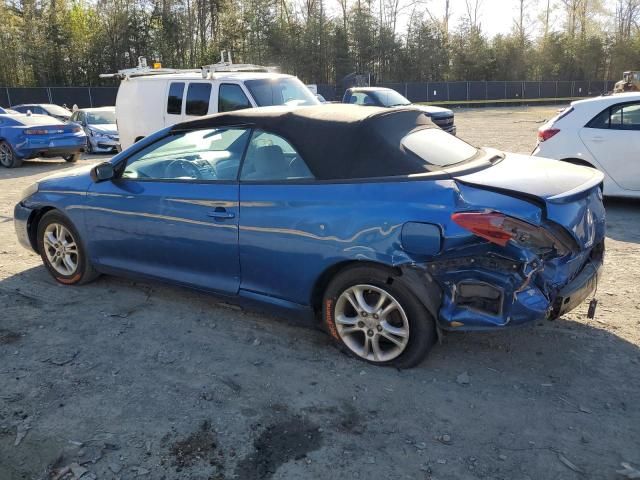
(144, 70)
(206, 71)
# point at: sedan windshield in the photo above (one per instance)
(438, 148)
(56, 110)
(389, 98)
(101, 118)
(280, 91)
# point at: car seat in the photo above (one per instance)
(269, 163)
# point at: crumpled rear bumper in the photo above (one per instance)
(578, 290)
(486, 292)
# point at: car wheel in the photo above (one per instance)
(8, 158)
(89, 146)
(62, 252)
(73, 158)
(372, 317)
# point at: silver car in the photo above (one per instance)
(100, 126)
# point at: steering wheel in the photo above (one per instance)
(182, 168)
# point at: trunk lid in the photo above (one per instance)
(569, 195)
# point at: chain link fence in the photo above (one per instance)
(81, 96)
(433, 92)
(465, 92)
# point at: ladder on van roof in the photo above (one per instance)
(207, 71)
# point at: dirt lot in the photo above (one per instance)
(129, 380)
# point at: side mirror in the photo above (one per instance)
(102, 171)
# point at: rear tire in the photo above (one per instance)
(8, 158)
(373, 317)
(73, 158)
(62, 251)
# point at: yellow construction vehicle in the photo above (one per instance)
(630, 83)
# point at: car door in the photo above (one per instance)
(613, 138)
(171, 212)
(277, 212)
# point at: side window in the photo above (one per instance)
(174, 100)
(618, 117)
(361, 98)
(600, 121)
(74, 117)
(211, 154)
(357, 98)
(198, 95)
(231, 97)
(80, 117)
(270, 157)
(626, 117)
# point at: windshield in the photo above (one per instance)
(280, 91)
(438, 148)
(56, 110)
(390, 98)
(32, 120)
(101, 118)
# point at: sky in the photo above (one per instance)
(496, 16)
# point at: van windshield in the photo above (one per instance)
(280, 91)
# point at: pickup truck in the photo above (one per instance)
(386, 97)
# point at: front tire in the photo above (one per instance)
(62, 251)
(8, 158)
(373, 317)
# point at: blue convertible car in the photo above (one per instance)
(30, 136)
(378, 224)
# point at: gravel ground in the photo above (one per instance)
(121, 379)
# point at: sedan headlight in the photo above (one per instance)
(30, 190)
(93, 133)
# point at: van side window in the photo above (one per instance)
(231, 97)
(174, 102)
(198, 95)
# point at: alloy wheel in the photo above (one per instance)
(371, 323)
(6, 155)
(61, 249)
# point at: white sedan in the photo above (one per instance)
(601, 132)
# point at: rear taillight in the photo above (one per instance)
(501, 229)
(545, 134)
(53, 131)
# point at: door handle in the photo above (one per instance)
(221, 213)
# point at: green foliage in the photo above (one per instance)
(70, 42)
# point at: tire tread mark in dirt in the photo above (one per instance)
(279, 443)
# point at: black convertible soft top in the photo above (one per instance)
(336, 141)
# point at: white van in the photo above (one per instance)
(151, 99)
